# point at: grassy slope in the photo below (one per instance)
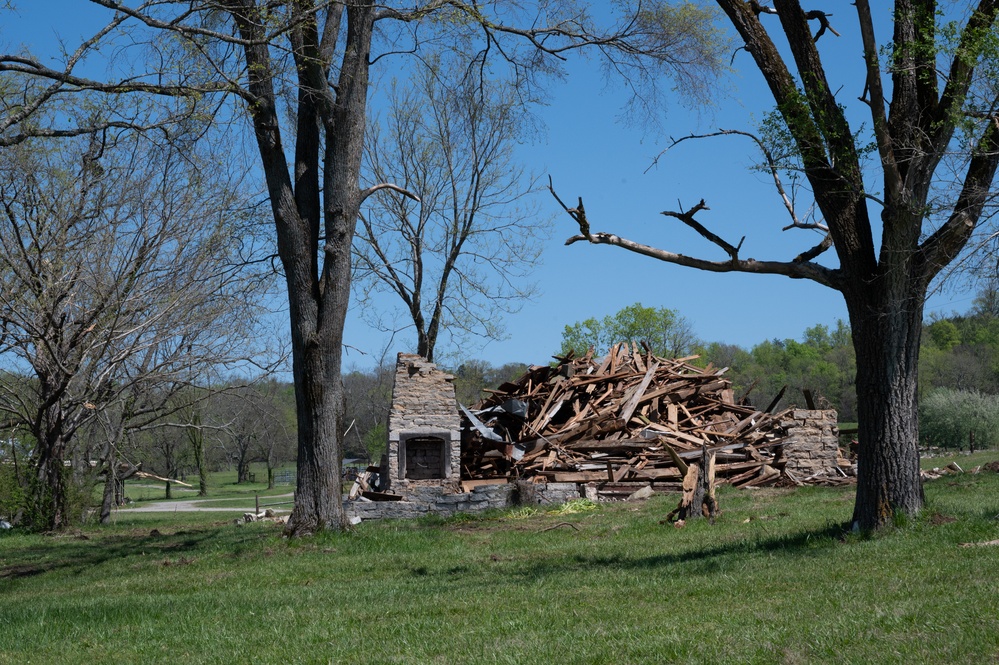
(615, 587)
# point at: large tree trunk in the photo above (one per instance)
(317, 297)
(318, 500)
(243, 463)
(197, 439)
(318, 357)
(49, 501)
(886, 339)
(110, 488)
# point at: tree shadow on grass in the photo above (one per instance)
(66, 552)
(702, 560)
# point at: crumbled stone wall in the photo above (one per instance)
(812, 443)
(423, 405)
(437, 500)
(547, 493)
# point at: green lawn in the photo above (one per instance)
(966, 461)
(773, 581)
(221, 485)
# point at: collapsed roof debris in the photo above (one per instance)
(625, 419)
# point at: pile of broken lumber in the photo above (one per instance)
(628, 418)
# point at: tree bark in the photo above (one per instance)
(197, 439)
(317, 297)
(48, 503)
(49, 497)
(243, 463)
(110, 488)
(886, 339)
(319, 311)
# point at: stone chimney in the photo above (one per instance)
(424, 443)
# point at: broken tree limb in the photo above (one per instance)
(578, 213)
(687, 217)
(153, 476)
(797, 270)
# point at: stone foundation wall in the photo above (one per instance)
(435, 500)
(812, 443)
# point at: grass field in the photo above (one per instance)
(222, 484)
(774, 580)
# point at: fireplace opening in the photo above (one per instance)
(425, 457)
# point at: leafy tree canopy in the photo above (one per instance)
(663, 330)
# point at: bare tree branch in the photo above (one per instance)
(797, 269)
(368, 191)
(687, 217)
(578, 213)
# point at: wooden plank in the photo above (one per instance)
(679, 395)
(605, 365)
(586, 409)
(680, 464)
(575, 476)
(676, 434)
(743, 477)
(629, 408)
(621, 472)
(469, 485)
(749, 421)
(671, 473)
(690, 417)
(601, 444)
(733, 467)
(639, 362)
(547, 418)
(577, 382)
(767, 474)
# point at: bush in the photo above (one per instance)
(32, 507)
(947, 418)
(11, 495)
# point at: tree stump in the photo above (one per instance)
(698, 490)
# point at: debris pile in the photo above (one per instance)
(955, 469)
(628, 418)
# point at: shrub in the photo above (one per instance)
(11, 495)
(947, 418)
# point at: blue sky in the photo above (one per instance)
(590, 152)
